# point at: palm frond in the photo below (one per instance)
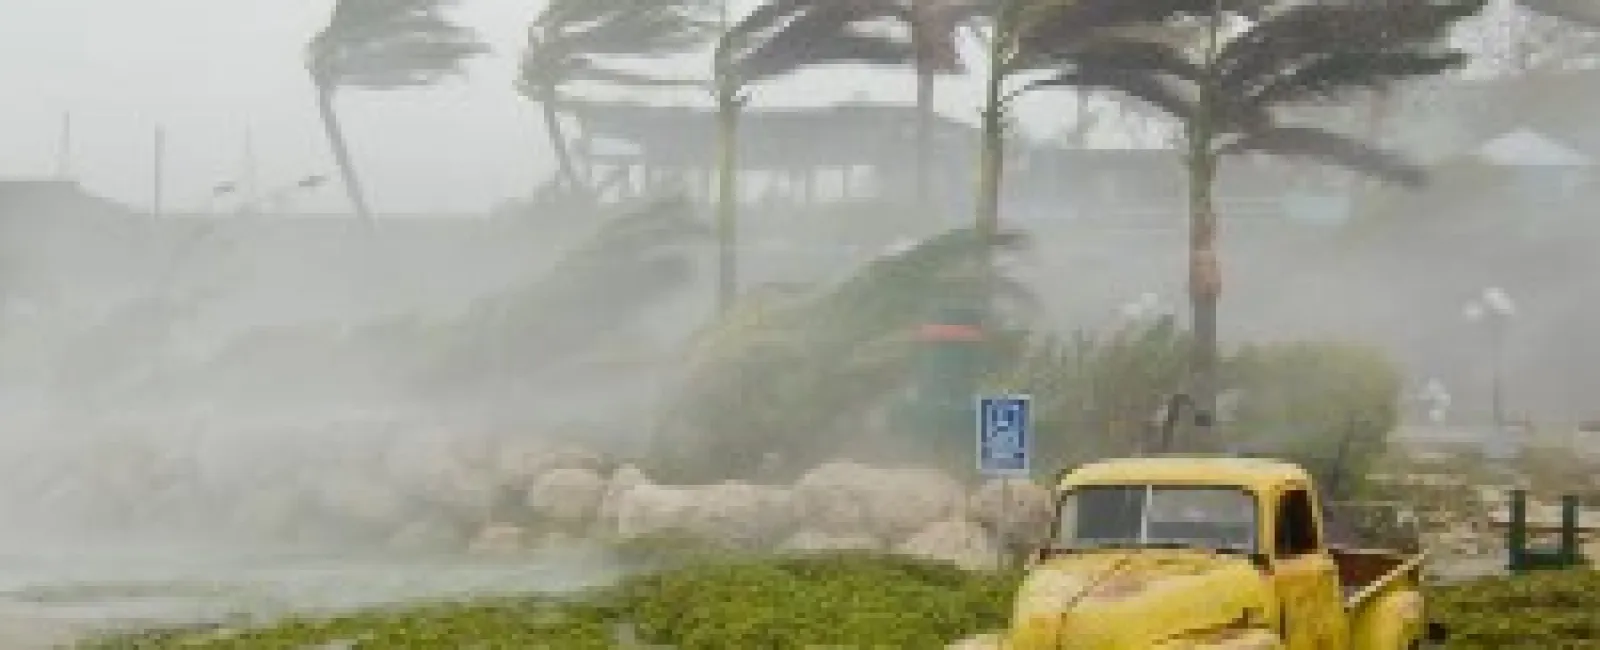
(390, 43)
(783, 36)
(1306, 33)
(1334, 148)
(1331, 75)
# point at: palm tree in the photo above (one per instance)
(1230, 68)
(936, 29)
(381, 45)
(570, 39)
(777, 39)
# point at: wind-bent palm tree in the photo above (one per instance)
(936, 30)
(382, 45)
(777, 39)
(1251, 59)
(570, 39)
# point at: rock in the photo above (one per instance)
(624, 479)
(740, 514)
(847, 499)
(828, 499)
(813, 541)
(651, 510)
(566, 495)
(498, 539)
(1021, 504)
(962, 543)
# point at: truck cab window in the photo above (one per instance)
(1297, 525)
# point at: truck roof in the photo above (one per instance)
(1255, 474)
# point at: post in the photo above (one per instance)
(64, 151)
(1497, 378)
(1517, 532)
(160, 160)
(1570, 552)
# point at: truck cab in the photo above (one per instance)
(1194, 552)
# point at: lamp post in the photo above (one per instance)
(1495, 309)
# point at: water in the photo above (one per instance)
(48, 594)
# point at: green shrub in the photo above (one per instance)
(1329, 406)
(1552, 609)
(779, 603)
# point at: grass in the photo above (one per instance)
(839, 599)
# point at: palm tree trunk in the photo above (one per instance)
(1205, 274)
(727, 205)
(924, 137)
(991, 168)
(558, 142)
(341, 153)
(1205, 291)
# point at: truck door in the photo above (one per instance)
(1306, 578)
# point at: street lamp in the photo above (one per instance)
(1495, 309)
(1147, 306)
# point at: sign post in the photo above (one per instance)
(1004, 446)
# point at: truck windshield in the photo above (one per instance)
(1216, 518)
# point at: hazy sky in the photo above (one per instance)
(210, 69)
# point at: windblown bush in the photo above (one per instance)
(851, 599)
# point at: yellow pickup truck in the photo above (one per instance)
(1208, 553)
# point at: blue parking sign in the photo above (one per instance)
(1003, 435)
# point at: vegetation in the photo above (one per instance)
(803, 372)
(1227, 69)
(799, 602)
(381, 44)
(1557, 609)
(777, 39)
(849, 598)
(570, 41)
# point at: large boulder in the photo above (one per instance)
(566, 495)
(847, 499)
(652, 510)
(962, 543)
(740, 514)
(1017, 509)
(624, 479)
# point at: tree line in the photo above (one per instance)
(1227, 71)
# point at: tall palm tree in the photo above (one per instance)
(381, 45)
(777, 39)
(936, 29)
(570, 39)
(1237, 65)
(1030, 37)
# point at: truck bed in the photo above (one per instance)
(1362, 568)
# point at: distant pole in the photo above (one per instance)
(64, 150)
(252, 198)
(160, 161)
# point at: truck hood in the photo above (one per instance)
(1125, 600)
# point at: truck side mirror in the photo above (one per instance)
(1436, 633)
